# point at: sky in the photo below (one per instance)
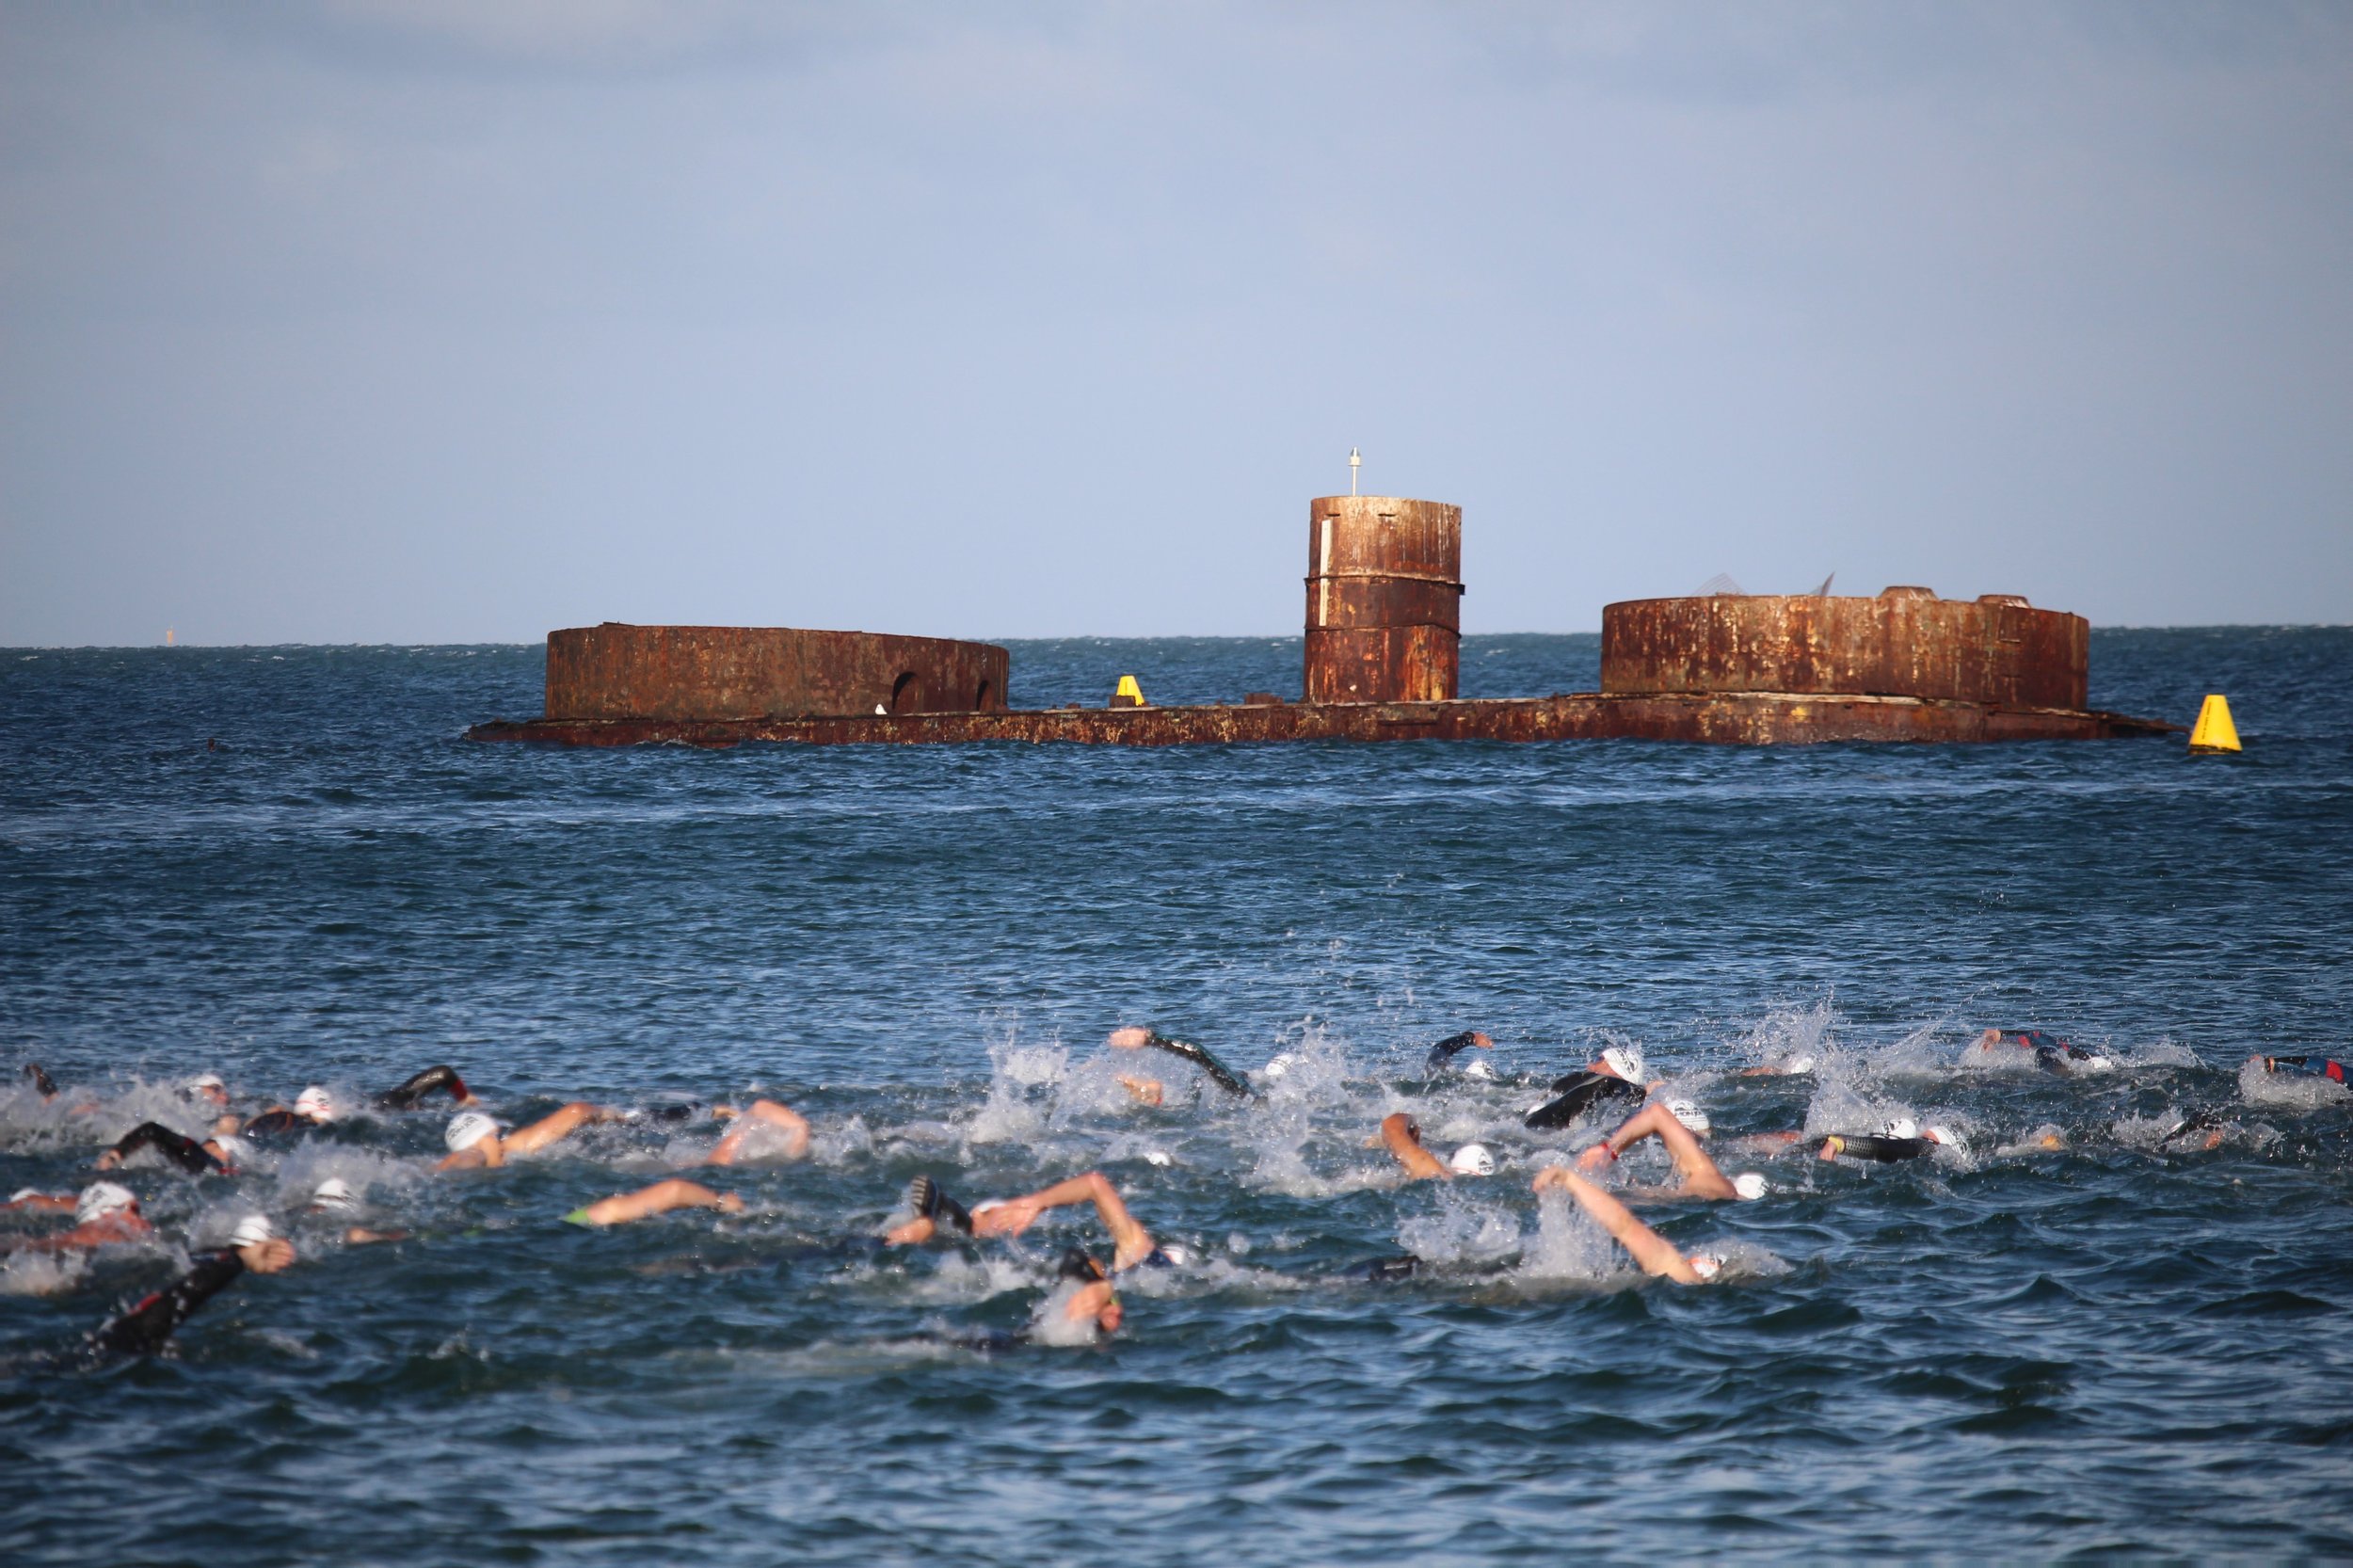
(461, 320)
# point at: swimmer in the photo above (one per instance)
(475, 1140)
(932, 1207)
(1901, 1139)
(210, 1156)
(1795, 1066)
(142, 1328)
(105, 1215)
(660, 1198)
(1134, 1037)
(2051, 1053)
(1401, 1136)
(1093, 1302)
(335, 1196)
(1676, 1124)
(1656, 1256)
(407, 1096)
(2308, 1066)
(207, 1087)
(766, 1120)
(1613, 1077)
(314, 1107)
(2191, 1126)
(43, 1084)
(1442, 1055)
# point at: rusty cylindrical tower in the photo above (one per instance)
(1385, 599)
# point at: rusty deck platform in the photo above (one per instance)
(1729, 718)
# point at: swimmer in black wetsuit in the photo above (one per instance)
(143, 1327)
(2051, 1053)
(1442, 1055)
(196, 1159)
(1134, 1037)
(1094, 1299)
(1615, 1077)
(42, 1085)
(1902, 1139)
(407, 1096)
(2308, 1066)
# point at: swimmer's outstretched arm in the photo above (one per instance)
(179, 1148)
(660, 1198)
(442, 1077)
(1701, 1178)
(1402, 1138)
(1653, 1252)
(763, 1114)
(554, 1127)
(142, 1328)
(1135, 1037)
(1014, 1215)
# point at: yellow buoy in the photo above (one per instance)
(2214, 732)
(1130, 695)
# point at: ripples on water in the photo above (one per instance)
(2013, 1350)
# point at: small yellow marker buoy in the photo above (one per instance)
(1130, 695)
(2214, 732)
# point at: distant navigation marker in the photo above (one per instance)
(1355, 462)
(167, 636)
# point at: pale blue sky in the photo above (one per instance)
(355, 321)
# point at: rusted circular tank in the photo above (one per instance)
(1907, 641)
(1385, 599)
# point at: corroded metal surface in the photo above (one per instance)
(1904, 643)
(1733, 718)
(1385, 596)
(616, 671)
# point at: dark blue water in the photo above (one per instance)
(2009, 1349)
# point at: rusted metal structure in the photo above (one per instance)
(1738, 718)
(1385, 596)
(1907, 641)
(696, 674)
(1382, 658)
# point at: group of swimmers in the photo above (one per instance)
(1086, 1303)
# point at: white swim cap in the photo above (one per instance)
(315, 1103)
(1942, 1135)
(1799, 1064)
(1157, 1156)
(206, 1080)
(23, 1192)
(252, 1231)
(1477, 1067)
(2097, 1063)
(100, 1198)
(1750, 1185)
(1472, 1160)
(1903, 1127)
(1176, 1256)
(234, 1149)
(1624, 1061)
(467, 1129)
(1280, 1065)
(1689, 1116)
(1707, 1265)
(335, 1193)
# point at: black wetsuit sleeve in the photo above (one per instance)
(272, 1121)
(1447, 1049)
(141, 1328)
(43, 1084)
(1887, 1151)
(183, 1151)
(408, 1095)
(1219, 1073)
(1578, 1093)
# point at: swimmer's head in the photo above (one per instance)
(1799, 1064)
(1902, 1127)
(467, 1129)
(252, 1231)
(1707, 1265)
(1479, 1067)
(1280, 1065)
(1132, 1037)
(1078, 1265)
(1689, 1116)
(1945, 1137)
(317, 1104)
(334, 1194)
(1157, 1156)
(1624, 1061)
(102, 1198)
(1472, 1160)
(1750, 1185)
(206, 1086)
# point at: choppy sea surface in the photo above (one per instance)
(286, 866)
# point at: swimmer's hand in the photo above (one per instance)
(1600, 1157)
(1132, 1037)
(267, 1258)
(1009, 1218)
(1147, 1090)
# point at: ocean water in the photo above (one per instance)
(285, 865)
